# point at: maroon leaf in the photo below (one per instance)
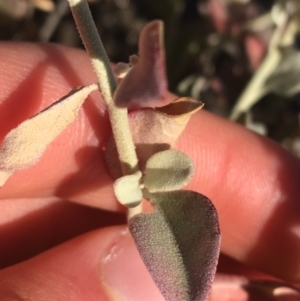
(145, 85)
(179, 244)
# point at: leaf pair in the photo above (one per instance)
(165, 171)
(180, 241)
(154, 132)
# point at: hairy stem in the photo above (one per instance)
(118, 116)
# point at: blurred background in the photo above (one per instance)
(240, 57)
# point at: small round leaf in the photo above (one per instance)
(127, 189)
(168, 170)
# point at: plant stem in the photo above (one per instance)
(283, 36)
(118, 116)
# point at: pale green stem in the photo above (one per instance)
(118, 116)
(133, 211)
(255, 89)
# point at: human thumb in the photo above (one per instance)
(100, 265)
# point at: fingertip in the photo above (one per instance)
(124, 274)
(69, 271)
(101, 265)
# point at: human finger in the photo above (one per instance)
(254, 184)
(100, 265)
(31, 226)
(252, 181)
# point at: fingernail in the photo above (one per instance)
(124, 275)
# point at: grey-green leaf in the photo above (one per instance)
(168, 170)
(179, 244)
(24, 145)
(285, 79)
(127, 190)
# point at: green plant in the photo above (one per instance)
(179, 241)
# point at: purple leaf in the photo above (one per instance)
(179, 243)
(145, 85)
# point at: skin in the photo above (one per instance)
(56, 239)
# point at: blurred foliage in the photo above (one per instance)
(213, 48)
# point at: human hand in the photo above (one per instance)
(253, 183)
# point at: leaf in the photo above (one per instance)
(145, 85)
(285, 79)
(121, 69)
(127, 190)
(168, 170)
(24, 145)
(153, 130)
(179, 244)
